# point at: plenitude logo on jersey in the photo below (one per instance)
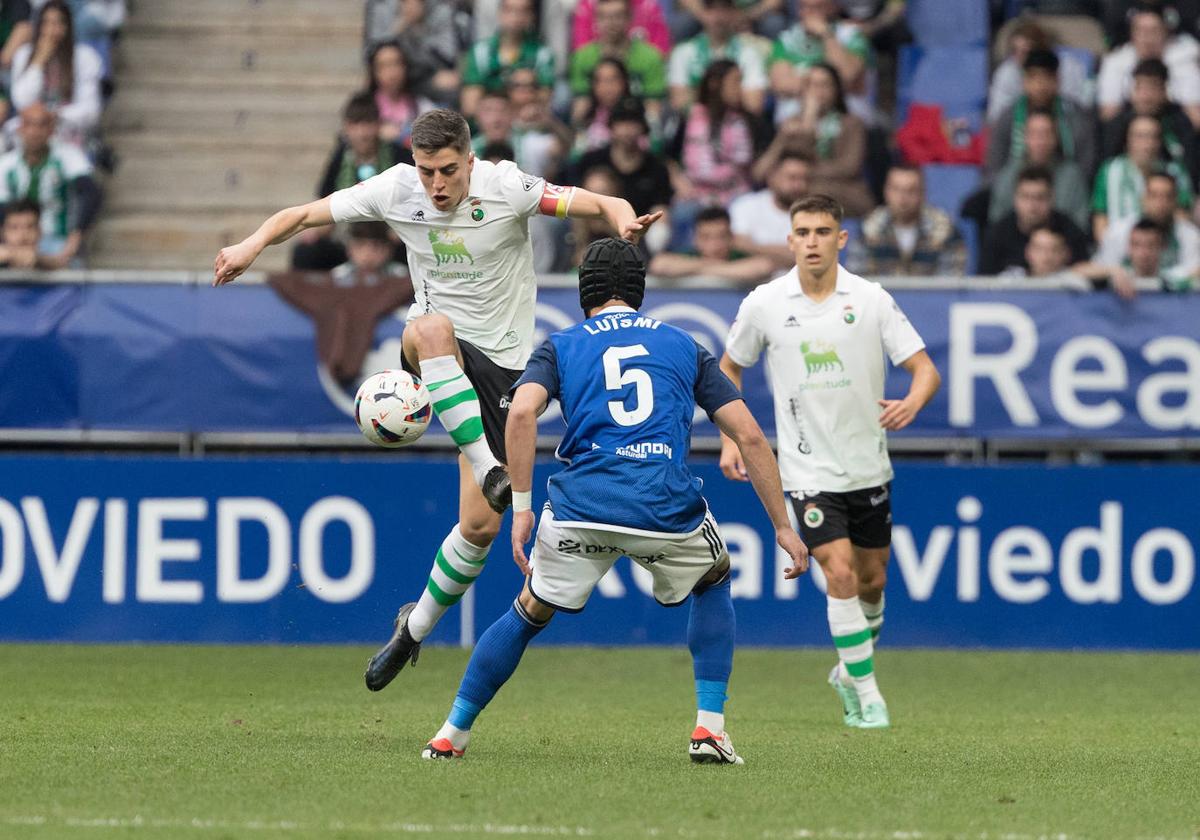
(449, 249)
(821, 357)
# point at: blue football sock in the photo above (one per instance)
(495, 658)
(711, 628)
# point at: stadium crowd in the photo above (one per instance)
(1076, 160)
(54, 78)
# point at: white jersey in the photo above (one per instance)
(826, 371)
(474, 263)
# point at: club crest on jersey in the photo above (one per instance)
(848, 315)
(814, 517)
(449, 248)
(820, 358)
(476, 210)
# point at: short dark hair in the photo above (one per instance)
(23, 205)
(440, 129)
(1145, 224)
(1155, 68)
(1036, 173)
(629, 109)
(370, 231)
(1166, 176)
(1041, 60)
(1142, 8)
(1051, 226)
(361, 108)
(713, 214)
(906, 167)
(712, 4)
(498, 151)
(817, 203)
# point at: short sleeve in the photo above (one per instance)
(677, 66)
(542, 368)
(366, 201)
(900, 338)
(544, 66)
(654, 78)
(74, 162)
(746, 339)
(1109, 81)
(1100, 193)
(754, 71)
(712, 389)
(521, 190)
(741, 215)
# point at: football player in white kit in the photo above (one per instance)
(826, 332)
(465, 223)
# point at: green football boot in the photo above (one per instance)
(874, 716)
(851, 710)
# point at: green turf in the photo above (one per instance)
(267, 742)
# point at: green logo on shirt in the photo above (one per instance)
(448, 248)
(820, 359)
(477, 214)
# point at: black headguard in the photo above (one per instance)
(611, 268)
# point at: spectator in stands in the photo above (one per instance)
(715, 145)
(19, 234)
(760, 220)
(765, 17)
(515, 45)
(646, 23)
(431, 38)
(61, 74)
(541, 139)
(387, 81)
(820, 38)
(1048, 257)
(1180, 16)
(1146, 245)
(645, 69)
(496, 152)
(15, 29)
(836, 140)
(1122, 179)
(1150, 38)
(1007, 80)
(56, 175)
(724, 37)
(1180, 256)
(713, 254)
(609, 85)
(1033, 206)
(95, 20)
(1148, 98)
(602, 181)
(644, 179)
(1076, 129)
(907, 236)
(1042, 148)
(370, 254)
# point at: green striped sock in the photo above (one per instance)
(455, 568)
(852, 638)
(874, 615)
(457, 406)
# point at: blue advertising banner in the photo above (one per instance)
(1050, 364)
(325, 550)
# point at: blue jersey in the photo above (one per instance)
(628, 386)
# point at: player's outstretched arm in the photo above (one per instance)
(231, 262)
(520, 441)
(735, 420)
(925, 383)
(732, 464)
(617, 211)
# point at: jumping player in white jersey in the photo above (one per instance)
(465, 223)
(628, 386)
(826, 332)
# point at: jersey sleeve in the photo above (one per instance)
(74, 162)
(522, 191)
(746, 337)
(900, 338)
(541, 368)
(366, 201)
(712, 387)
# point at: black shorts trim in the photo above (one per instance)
(864, 517)
(492, 384)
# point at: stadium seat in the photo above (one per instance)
(943, 23)
(947, 185)
(954, 77)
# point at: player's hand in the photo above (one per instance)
(896, 414)
(732, 464)
(635, 230)
(522, 530)
(790, 542)
(232, 261)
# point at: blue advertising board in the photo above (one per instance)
(319, 550)
(1044, 364)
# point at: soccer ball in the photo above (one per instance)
(392, 408)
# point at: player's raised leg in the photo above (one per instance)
(493, 661)
(854, 675)
(459, 561)
(431, 345)
(711, 629)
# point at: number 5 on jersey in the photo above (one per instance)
(615, 380)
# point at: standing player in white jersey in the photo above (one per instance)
(826, 331)
(469, 334)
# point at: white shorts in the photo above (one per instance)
(568, 561)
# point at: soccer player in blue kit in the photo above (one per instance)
(628, 386)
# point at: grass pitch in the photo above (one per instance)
(211, 742)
